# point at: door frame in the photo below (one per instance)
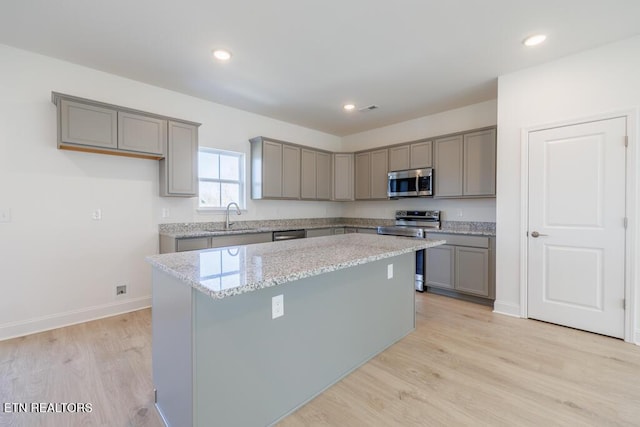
(632, 240)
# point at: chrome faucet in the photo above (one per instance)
(228, 224)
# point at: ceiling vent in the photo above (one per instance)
(369, 108)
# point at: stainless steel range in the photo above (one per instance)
(414, 224)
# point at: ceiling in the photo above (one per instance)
(299, 60)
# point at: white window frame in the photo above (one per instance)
(242, 202)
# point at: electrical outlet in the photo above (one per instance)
(5, 215)
(459, 213)
(96, 215)
(389, 271)
(121, 289)
(277, 306)
(166, 213)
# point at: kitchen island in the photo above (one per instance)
(228, 351)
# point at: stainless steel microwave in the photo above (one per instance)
(410, 183)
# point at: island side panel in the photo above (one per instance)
(252, 370)
(172, 353)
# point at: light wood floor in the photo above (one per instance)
(463, 365)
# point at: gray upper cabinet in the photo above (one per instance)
(315, 175)
(142, 134)
(371, 174)
(275, 169)
(399, 158)
(379, 170)
(448, 166)
(465, 165)
(479, 163)
(342, 176)
(421, 155)
(87, 125)
(179, 169)
(363, 176)
(290, 172)
(323, 176)
(416, 155)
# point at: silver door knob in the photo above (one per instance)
(536, 234)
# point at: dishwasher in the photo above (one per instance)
(279, 236)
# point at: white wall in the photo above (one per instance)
(599, 81)
(57, 265)
(470, 117)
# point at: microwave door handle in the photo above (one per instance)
(417, 185)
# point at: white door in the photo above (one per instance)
(576, 261)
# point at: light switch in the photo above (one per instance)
(389, 271)
(5, 215)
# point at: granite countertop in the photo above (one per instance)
(206, 229)
(224, 272)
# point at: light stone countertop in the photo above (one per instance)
(212, 229)
(224, 272)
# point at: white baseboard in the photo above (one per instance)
(506, 308)
(45, 323)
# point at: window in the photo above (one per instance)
(221, 178)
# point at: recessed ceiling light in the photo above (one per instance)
(349, 107)
(534, 40)
(222, 54)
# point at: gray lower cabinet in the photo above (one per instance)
(172, 244)
(371, 174)
(319, 232)
(465, 165)
(465, 264)
(342, 176)
(275, 169)
(179, 169)
(315, 175)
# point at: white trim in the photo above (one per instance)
(637, 340)
(524, 221)
(45, 323)
(506, 308)
(632, 241)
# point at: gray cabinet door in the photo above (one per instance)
(421, 155)
(290, 172)
(440, 267)
(323, 176)
(479, 163)
(179, 169)
(399, 158)
(472, 270)
(89, 125)
(308, 177)
(363, 176)
(240, 239)
(379, 170)
(319, 232)
(343, 176)
(271, 169)
(192, 244)
(142, 134)
(448, 166)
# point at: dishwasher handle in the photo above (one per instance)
(288, 235)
